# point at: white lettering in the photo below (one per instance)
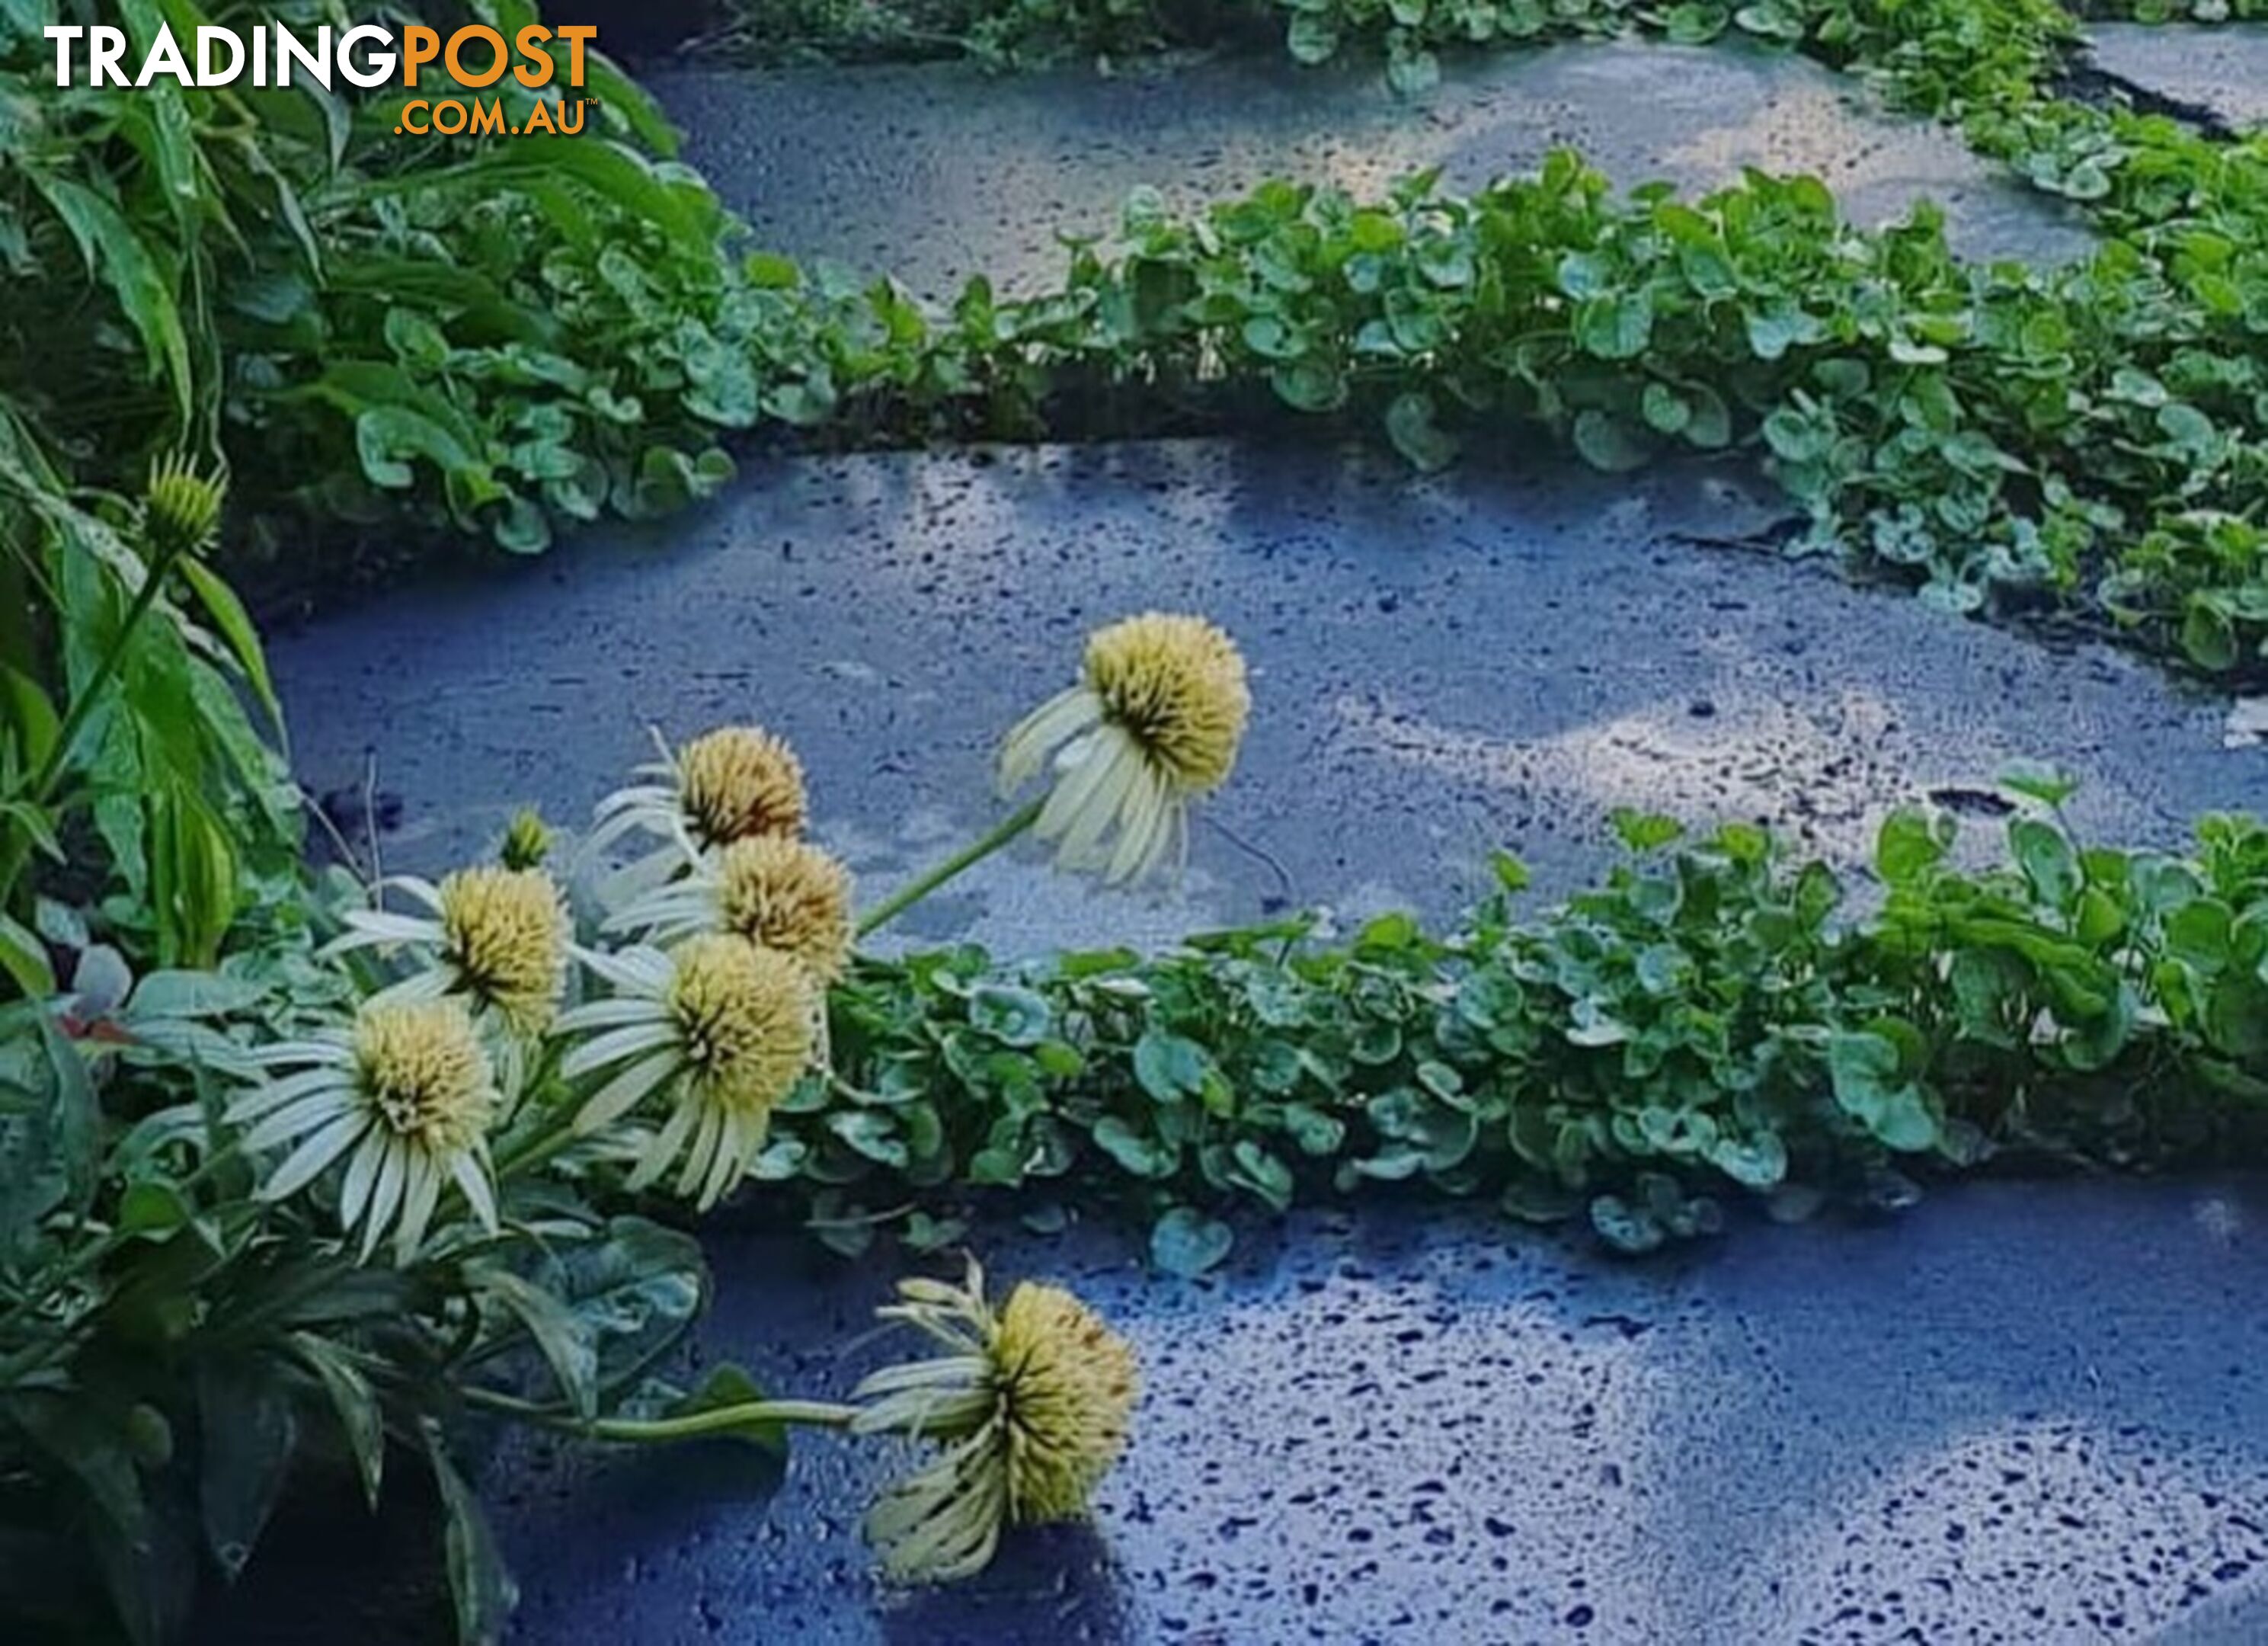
(382, 63)
(104, 46)
(207, 37)
(318, 63)
(64, 35)
(164, 58)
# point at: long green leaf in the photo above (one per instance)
(116, 254)
(479, 1583)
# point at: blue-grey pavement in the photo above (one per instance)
(1497, 657)
(2020, 1412)
(2221, 72)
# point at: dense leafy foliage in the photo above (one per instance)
(544, 327)
(1714, 1018)
(189, 1326)
(262, 278)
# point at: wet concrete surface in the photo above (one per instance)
(1498, 657)
(2021, 1413)
(2220, 70)
(934, 173)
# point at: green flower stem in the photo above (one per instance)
(542, 1149)
(75, 717)
(692, 1426)
(904, 898)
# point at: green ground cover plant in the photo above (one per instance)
(1714, 1021)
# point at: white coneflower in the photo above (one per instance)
(1030, 1407)
(783, 895)
(404, 1094)
(716, 1034)
(497, 937)
(1155, 721)
(734, 783)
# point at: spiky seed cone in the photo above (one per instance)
(741, 783)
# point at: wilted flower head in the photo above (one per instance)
(719, 1032)
(498, 936)
(1030, 1407)
(180, 508)
(1155, 721)
(784, 894)
(405, 1095)
(735, 783)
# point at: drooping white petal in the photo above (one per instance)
(624, 1092)
(955, 1371)
(419, 1192)
(687, 904)
(725, 1165)
(328, 1049)
(1026, 748)
(665, 1146)
(612, 1012)
(431, 984)
(323, 1147)
(1074, 794)
(275, 1094)
(1147, 819)
(362, 1176)
(703, 1152)
(387, 1197)
(296, 1120)
(1082, 833)
(472, 1179)
(615, 1044)
(366, 927)
(639, 969)
(641, 876)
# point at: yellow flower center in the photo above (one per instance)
(1176, 684)
(425, 1074)
(505, 931)
(1067, 1385)
(790, 896)
(746, 1016)
(741, 782)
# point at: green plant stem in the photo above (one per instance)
(82, 704)
(692, 1426)
(920, 887)
(16, 851)
(542, 1149)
